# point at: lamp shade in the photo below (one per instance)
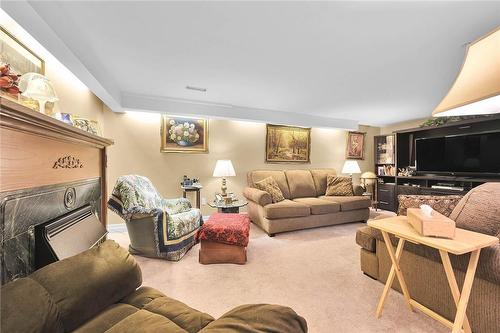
(476, 89)
(351, 167)
(40, 89)
(368, 175)
(224, 168)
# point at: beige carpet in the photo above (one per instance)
(316, 272)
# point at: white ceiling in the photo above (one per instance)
(376, 63)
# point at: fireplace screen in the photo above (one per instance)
(68, 235)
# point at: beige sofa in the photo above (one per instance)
(422, 268)
(305, 205)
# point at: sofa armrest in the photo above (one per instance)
(443, 204)
(260, 197)
(358, 189)
(176, 206)
(366, 238)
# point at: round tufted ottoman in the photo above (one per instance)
(224, 238)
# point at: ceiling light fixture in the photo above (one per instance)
(476, 89)
(196, 88)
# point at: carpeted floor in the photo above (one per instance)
(316, 272)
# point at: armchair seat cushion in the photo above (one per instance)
(286, 209)
(349, 202)
(319, 206)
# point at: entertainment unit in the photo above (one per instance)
(449, 159)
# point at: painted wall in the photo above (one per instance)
(137, 151)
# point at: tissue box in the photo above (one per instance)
(436, 225)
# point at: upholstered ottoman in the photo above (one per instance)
(224, 238)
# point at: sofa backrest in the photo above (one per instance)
(75, 289)
(295, 183)
(278, 176)
(479, 210)
(319, 177)
(300, 183)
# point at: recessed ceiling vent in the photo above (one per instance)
(196, 88)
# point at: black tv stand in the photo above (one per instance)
(422, 183)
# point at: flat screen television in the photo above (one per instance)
(461, 154)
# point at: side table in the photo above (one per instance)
(465, 241)
(233, 207)
(196, 189)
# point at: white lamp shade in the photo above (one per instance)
(224, 168)
(351, 167)
(476, 89)
(40, 89)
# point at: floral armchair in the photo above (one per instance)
(157, 227)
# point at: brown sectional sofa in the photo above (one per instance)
(422, 268)
(305, 205)
(96, 291)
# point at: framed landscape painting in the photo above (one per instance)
(287, 144)
(183, 135)
(355, 145)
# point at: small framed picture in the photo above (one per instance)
(355, 145)
(184, 135)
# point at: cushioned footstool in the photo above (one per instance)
(224, 238)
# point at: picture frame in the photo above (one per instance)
(288, 144)
(21, 59)
(355, 147)
(88, 125)
(184, 135)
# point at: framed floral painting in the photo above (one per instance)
(355, 146)
(184, 135)
(288, 144)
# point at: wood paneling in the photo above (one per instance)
(29, 160)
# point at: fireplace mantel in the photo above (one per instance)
(47, 169)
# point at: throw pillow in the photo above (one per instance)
(270, 186)
(339, 186)
(443, 204)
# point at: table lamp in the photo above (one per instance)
(368, 178)
(351, 167)
(39, 88)
(224, 168)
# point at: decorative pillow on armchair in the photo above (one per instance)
(270, 186)
(339, 186)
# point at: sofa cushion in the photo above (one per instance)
(339, 186)
(27, 307)
(479, 210)
(84, 285)
(278, 176)
(300, 183)
(255, 318)
(145, 322)
(319, 177)
(319, 206)
(270, 186)
(349, 203)
(286, 208)
(182, 315)
(107, 319)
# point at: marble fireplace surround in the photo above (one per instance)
(22, 210)
(47, 169)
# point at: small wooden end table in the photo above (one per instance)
(233, 207)
(464, 242)
(196, 189)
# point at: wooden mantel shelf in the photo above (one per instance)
(21, 118)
